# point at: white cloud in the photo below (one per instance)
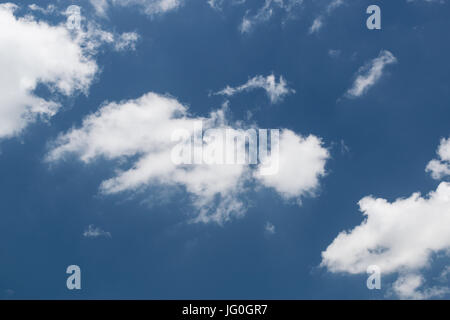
(317, 25)
(370, 74)
(275, 91)
(266, 12)
(334, 4)
(48, 10)
(430, 1)
(269, 228)
(92, 36)
(34, 52)
(126, 41)
(95, 232)
(302, 163)
(318, 22)
(287, 9)
(334, 53)
(215, 4)
(149, 7)
(61, 57)
(445, 274)
(143, 128)
(402, 237)
(140, 131)
(408, 287)
(100, 6)
(263, 14)
(399, 237)
(441, 167)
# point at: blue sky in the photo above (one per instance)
(376, 143)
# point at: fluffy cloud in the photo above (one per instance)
(35, 52)
(399, 237)
(149, 7)
(140, 132)
(61, 57)
(95, 232)
(297, 152)
(408, 286)
(370, 74)
(275, 91)
(441, 167)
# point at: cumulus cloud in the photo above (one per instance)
(95, 232)
(303, 156)
(370, 74)
(408, 286)
(60, 57)
(402, 237)
(149, 7)
(275, 91)
(140, 132)
(399, 237)
(440, 168)
(34, 52)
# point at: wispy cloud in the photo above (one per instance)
(266, 11)
(215, 4)
(95, 232)
(368, 75)
(48, 10)
(269, 228)
(319, 21)
(149, 7)
(276, 91)
(334, 53)
(100, 7)
(317, 24)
